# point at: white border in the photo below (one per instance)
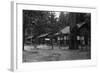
(17, 64)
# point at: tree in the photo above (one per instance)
(34, 21)
(63, 19)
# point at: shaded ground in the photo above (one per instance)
(36, 55)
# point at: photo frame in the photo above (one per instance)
(17, 27)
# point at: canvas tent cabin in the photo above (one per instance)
(43, 39)
(84, 34)
(63, 36)
(28, 40)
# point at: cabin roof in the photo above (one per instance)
(43, 35)
(65, 30)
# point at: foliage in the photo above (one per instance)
(39, 22)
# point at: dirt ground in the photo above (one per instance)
(37, 55)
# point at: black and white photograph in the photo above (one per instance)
(55, 36)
